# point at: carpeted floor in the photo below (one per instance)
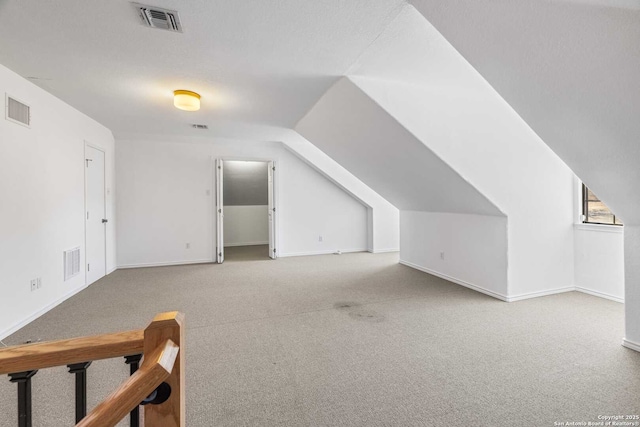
(246, 253)
(351, 340)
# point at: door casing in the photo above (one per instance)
(218, 217)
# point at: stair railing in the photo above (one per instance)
(158, 384)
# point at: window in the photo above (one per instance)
(594, 211)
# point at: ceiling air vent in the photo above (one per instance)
(196, 126)
(157, 17)
(18, 112)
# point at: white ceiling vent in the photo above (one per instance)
(157, 17)
(197, 126)
(17, 112)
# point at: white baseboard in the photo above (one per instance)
(112, 270)
(630, 344)
(327, 252)
(600, 294)
(540, 293)
(382, 251)
(245, 244)
(24, 322)
(165, 264)
(487, 291)
(456, 281)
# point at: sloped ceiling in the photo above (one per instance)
(571, 71)
(255, 63)
(569, 68)
(360, 135)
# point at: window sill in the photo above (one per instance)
(618, 229)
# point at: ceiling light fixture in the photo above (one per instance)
(186, 100)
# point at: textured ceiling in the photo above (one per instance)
(255, 63)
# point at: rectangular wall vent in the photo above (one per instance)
(18, 112)
(157, 17)
(71, 263)
(197, 126)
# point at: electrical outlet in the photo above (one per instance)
(441, 255)
(34, 284)
(188, 245)
(39, 282)
(319, 238)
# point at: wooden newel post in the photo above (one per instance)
(172, 412)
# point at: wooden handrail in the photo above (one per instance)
(157, 367)
(30, 357)
(162, 344)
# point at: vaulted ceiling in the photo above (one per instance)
(569, 68)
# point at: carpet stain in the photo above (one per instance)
(345, 305)
(357, 312)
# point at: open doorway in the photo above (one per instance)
(245, 210)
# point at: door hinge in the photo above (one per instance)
(87, 215)
(88, 267)
(219, 253)
(219, 210)
(274, 250)
(87, 161)
(274, 209)
(273, 168)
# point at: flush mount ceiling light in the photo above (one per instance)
(186, 100)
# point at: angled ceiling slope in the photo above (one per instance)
(570, 70)
(356, 132)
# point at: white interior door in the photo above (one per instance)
(95, 215)
(219, 212)
(272, 210)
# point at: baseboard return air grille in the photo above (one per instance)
(157, 17)
(18, 112)
(71, 263)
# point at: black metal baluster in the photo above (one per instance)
(80, 369)
(24, 396)
(134, 362)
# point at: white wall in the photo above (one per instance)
(598, 254)
(599, 260)
(166, 200)
(430, 89)
(470, 250)
(42, 200)
(246, 225)
(490, 146)
(384, 229)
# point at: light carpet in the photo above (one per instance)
(350, 340)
